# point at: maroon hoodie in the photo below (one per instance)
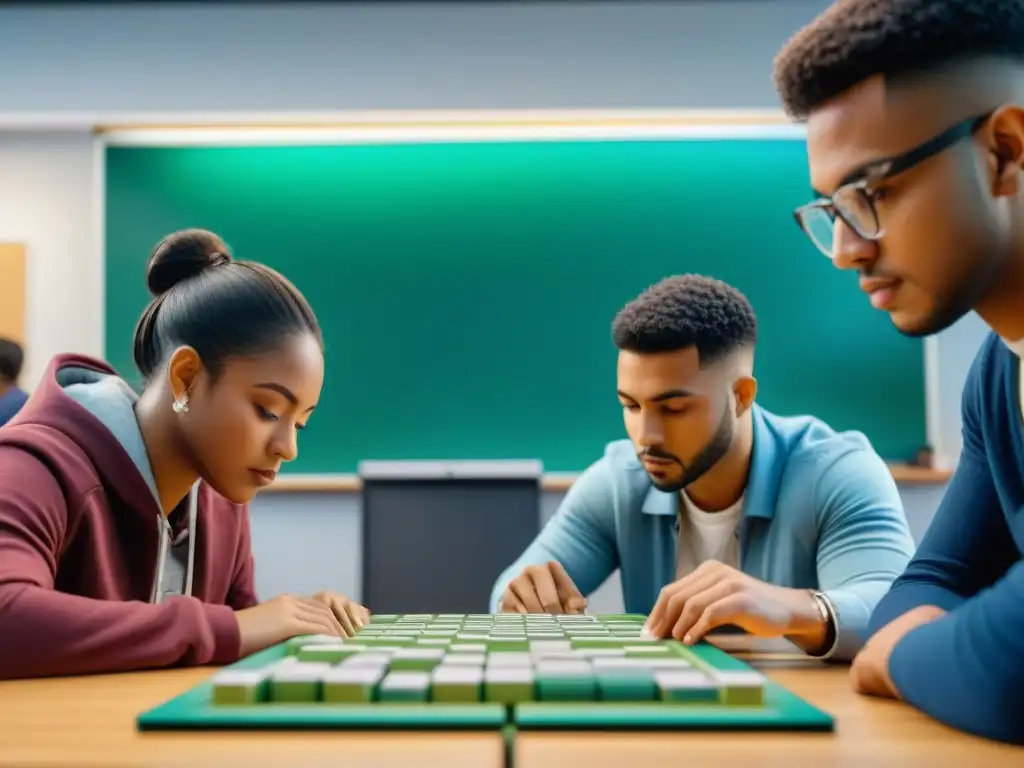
(83, 542)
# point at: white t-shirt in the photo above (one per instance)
(707, 536)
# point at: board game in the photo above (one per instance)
(463, 672)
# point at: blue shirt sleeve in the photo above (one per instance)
(964, 669)
(580, 535)
(864, 542)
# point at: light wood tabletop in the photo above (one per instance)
(869, 733)
(90, 721)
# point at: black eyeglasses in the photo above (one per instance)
(853, 201)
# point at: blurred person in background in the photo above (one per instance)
(12, 397)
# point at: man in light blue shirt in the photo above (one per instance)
(715, 511)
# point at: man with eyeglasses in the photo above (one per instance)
(915, 137)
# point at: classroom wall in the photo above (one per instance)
(63, 65)
(319, 56)
(47, 192)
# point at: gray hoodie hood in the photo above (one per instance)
(112, 402)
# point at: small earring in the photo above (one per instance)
(181, 406)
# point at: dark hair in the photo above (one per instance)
(12, 358)
(854, 40)
(219, 307)
(686, 311)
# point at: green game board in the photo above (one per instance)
(462, 672)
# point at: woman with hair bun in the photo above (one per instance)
(124, 530)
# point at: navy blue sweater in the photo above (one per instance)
(967, 668)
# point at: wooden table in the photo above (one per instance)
(869, 733)
(90, 721)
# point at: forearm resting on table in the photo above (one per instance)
(809, 627)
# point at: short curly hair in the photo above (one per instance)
(12, 357)
(687, 311)
(854, 40)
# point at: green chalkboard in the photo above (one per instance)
(466, 290)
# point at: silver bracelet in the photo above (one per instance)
(828, 615)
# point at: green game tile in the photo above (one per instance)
(434, 642)
(351, 685)
(508, 659)
(600, 642)
(507, 645)
(626, 685)
(293, 644)
(566, 689)
(686, 686)
(455, 684)
(399, 687)
(550, 646)
(413, 659)
(371, 642)
(508, 685)
(468, 648)
(549, 657)
(367, 659)
(741, 688)
(647, 650)
(465, 659)
(297, 683)
(565, 681)
(239, 686)
(331, 654)
(390, 649)
(664, 662)
(600, 653)
(619, 663)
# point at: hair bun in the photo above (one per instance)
(183, 255)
